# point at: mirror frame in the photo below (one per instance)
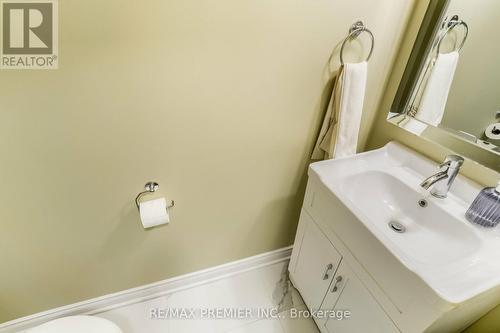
(421, 48)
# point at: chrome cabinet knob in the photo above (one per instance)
(326, 275)
(338, 279)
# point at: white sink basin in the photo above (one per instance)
(386, 199)
(457, 259)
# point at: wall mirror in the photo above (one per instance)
(450, 89)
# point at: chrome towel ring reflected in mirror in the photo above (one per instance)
(354, 31)
(452, 24)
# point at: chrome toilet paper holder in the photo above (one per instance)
(150, 187)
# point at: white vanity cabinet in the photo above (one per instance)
(348, 293)
(327, 283)
(315, 264)
(437, 276)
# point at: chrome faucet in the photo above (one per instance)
(442, 180)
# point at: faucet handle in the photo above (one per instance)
(452, 162)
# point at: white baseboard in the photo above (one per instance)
(149, 291)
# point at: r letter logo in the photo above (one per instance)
(29, 34)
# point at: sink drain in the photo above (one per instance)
(397, 227)
(422, 203)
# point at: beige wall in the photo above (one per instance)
(218, 101)
(487, 324)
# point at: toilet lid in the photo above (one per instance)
(77, 324)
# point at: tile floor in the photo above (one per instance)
(263, 288)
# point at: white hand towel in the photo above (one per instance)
(435, 96)
(339, 134)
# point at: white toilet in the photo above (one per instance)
(77, 324)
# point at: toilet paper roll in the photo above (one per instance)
(493, 131)
(154, 212)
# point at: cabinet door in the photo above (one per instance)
(315, 262)
(347, 293)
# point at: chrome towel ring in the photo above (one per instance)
(354, 31)
(452, 24)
